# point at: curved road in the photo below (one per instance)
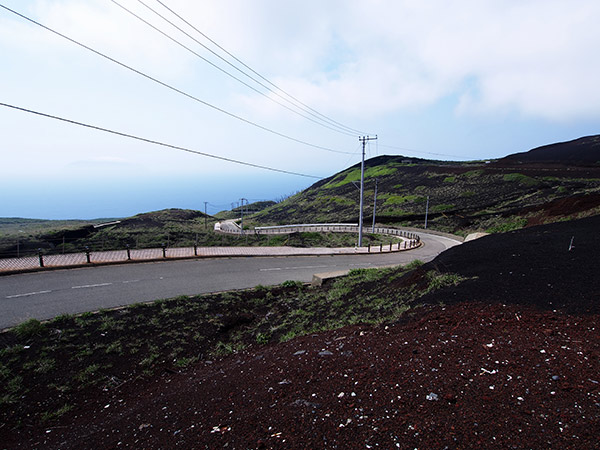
(44, 295)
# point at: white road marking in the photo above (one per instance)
(293, 268)
(90, 286)
(131, 281)
(28, 294)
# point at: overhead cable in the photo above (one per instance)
(168, 86)
(323, 121)
(419, 151)
(304, 106)
(220, 68)
(151, 141)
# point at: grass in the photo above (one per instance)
(400, 199)
(29, 329)
(353, 175)
(442, 208)
(501, 225)
(520, 178)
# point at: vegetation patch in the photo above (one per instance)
(473, 173)
(501, 225)
(400, 199)
(520, 178)
(354, 175)
(441, 208)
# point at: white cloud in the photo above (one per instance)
(533, 57)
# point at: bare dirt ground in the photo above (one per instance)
(509, 360)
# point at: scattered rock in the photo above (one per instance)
(432, 397)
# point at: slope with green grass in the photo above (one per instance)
(463, 196)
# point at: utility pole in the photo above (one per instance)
(205, 217)
(364, 140)
(242, 211)
(374, 207)
(426, 211)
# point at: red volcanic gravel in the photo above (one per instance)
(462, 376)
(510, 362)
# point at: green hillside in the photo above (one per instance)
(463, 197)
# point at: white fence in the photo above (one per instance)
(321, 227)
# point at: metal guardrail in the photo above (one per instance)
(325, 227)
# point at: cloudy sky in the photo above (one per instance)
(460, 80)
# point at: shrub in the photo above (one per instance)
(520, 178)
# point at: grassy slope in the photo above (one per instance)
(47, 368)
(464, 197)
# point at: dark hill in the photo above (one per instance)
(532, 266)
(582, 151)
(463, 196)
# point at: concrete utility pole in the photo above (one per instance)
(205, 216)
(426, 211)
(364, 140)
(242, 211)
(374, 207)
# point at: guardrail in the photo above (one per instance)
(408, 240)
(323, 227)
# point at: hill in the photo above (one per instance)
(584, 151)
(487, 196)
(170, 226)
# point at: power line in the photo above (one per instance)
(306, 107)
(419, 151)
(329, 123)
(216, 66)
(168, 86)
(151, 141)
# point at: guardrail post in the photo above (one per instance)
(164, 249)
(380, 248)
(41, 257)
(390, 246)
(128, 253)
(87, 255)
(195, 250)
(369, 247)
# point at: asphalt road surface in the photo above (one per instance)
(44, 295)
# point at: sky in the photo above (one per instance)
(450, 80)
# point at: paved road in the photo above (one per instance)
(47, 294)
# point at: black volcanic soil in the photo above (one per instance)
(510, 360)
(585, 150)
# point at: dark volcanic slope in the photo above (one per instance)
(585, 150)
(532, 266)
